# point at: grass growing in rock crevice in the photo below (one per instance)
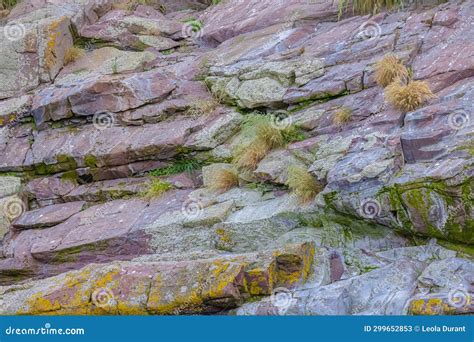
(389, 69)
(303, 184)
(342, 117)
(264, 135)
(401, 91)
(156, 189)
(225, 180)
(179, 166)
(8, 4)
(369, 6)
(409, 97)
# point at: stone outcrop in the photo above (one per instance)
(108, 160)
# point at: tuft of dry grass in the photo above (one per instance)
(368, 6)
(264, 137)
(389, 69)
(225, 180)
(202, 108)
(131, 5)
(73, 54)
(269, 134)
(342, 116)
(408, 97)
(251, 155)
(303, 184)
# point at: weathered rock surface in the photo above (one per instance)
(107, 161)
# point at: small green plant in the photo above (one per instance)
(7, 4)
(114, 66)
(302, 184)
(293, 134)
(167, 52)
(342, 117)
(179, 166)
(156, 189)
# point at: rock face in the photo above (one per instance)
(109, 159)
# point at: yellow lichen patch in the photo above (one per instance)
(223, 279)
(173, 298)
(294, 265)
(38, 305)
(52, 34)
(431, 306)
(260, 281)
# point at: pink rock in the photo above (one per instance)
(48, 216)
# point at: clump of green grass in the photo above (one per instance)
(342, 116)
(389, 69)
(167, 52)
(156, 189)
(302, 184)
(408, 97)
(179, 166)
(7, 4)
(368, 6)
(115, 66)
